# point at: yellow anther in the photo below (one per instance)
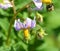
(26, 34)
(47, 1)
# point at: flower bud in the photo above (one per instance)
(41, 33)
(39, 17)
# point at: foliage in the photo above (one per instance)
(51, 24)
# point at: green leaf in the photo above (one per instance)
(4, 24)
(4, 12)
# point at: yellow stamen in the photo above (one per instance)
(26, 34)
(47, 1)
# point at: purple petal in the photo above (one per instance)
(18, 25)
(37, 3)
(37, 8)
(33, 23)
(27, 23)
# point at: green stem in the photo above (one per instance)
(13, 18)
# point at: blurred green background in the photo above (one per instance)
(51, 42)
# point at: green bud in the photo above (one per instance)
(39, 17)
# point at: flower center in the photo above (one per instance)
(26, 32)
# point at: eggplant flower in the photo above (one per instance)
(5, 4)
(28, 23)
(38, 4)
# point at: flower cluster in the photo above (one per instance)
(28, 23)
(5, 4)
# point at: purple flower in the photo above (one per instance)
(38, 4)
(5, 4)
(28, 23)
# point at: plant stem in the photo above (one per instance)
(11, 22)
(14, 17)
